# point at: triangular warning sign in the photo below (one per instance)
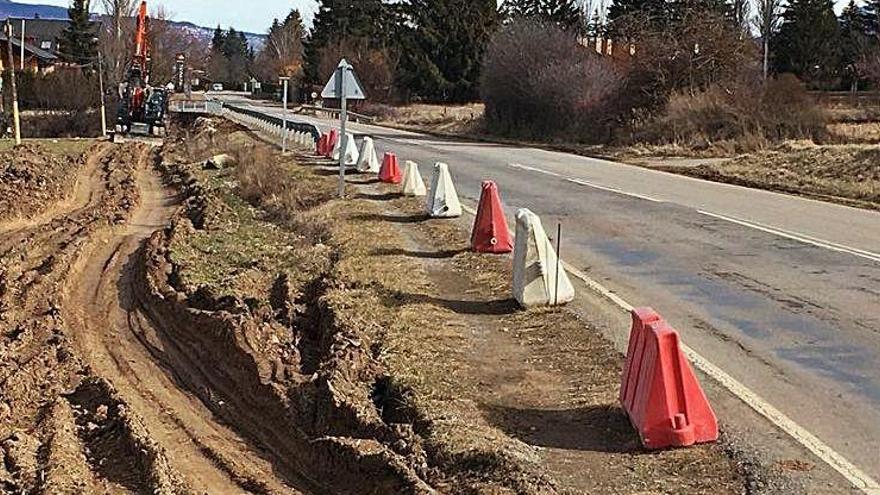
(344, 79)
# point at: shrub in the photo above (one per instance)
(63, 89)
(537, 81)
(749, 115)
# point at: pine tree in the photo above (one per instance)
(444, 47)
(336, 20)
(218, 40)
(564, 13)
(78, 42)
(855, 41)
(653, 12)
(809, 43)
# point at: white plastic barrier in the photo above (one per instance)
(368, 162)
(413, 185)
(535, 281)
(443, 201)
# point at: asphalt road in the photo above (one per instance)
(781, 292)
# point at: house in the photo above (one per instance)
(41, 33)
(35, 59)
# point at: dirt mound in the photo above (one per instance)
(31, 179)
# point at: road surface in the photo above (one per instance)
(781, 292)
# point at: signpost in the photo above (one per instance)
(284, 81)
(343, 84)
(16, 123)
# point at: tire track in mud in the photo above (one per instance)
(123, 346)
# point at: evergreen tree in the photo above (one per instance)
(652, 12)
(855, 41)
(564, 13)
(218, 40)
(809, 43)
(336, 20)
(444, 47)
(78, 42)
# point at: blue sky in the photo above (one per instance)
(248, 15)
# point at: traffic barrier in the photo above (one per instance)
(390, 171)
(659, 391)
(368, 162)
(332, 139)
(490, 233)
(351, 151)
(443, 200)
(538, 277)
(321, 145)
(413, 185)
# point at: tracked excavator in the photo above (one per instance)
(141, 106)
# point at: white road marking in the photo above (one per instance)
(806, 239)
(581, 182)
(858, 478)
(534, 169)
(833, 246)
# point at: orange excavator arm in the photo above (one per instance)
(142, 48)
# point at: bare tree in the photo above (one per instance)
(768, 15)
(116, 36)
(282, 55)
(166, 41)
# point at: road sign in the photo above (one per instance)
(343, 84)
(344, 80)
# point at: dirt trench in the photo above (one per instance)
(53, 439)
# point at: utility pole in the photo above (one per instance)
(16, 123)
(284, 81)
(101, 89)
(22, 44)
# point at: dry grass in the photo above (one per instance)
(842, 173)
(444, 119)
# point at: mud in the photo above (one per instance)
(50, 440)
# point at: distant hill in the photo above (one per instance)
(9, 8)
(12, 9)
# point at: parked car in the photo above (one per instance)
(216, 87)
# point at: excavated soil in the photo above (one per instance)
(34, 179)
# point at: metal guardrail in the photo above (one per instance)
(334, 113)
(214, 107)
(291, 125)
(195, 106)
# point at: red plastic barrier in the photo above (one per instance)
(331, 143)
(490, 234)
(390, 170)
(321, 145)
(659, 391)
